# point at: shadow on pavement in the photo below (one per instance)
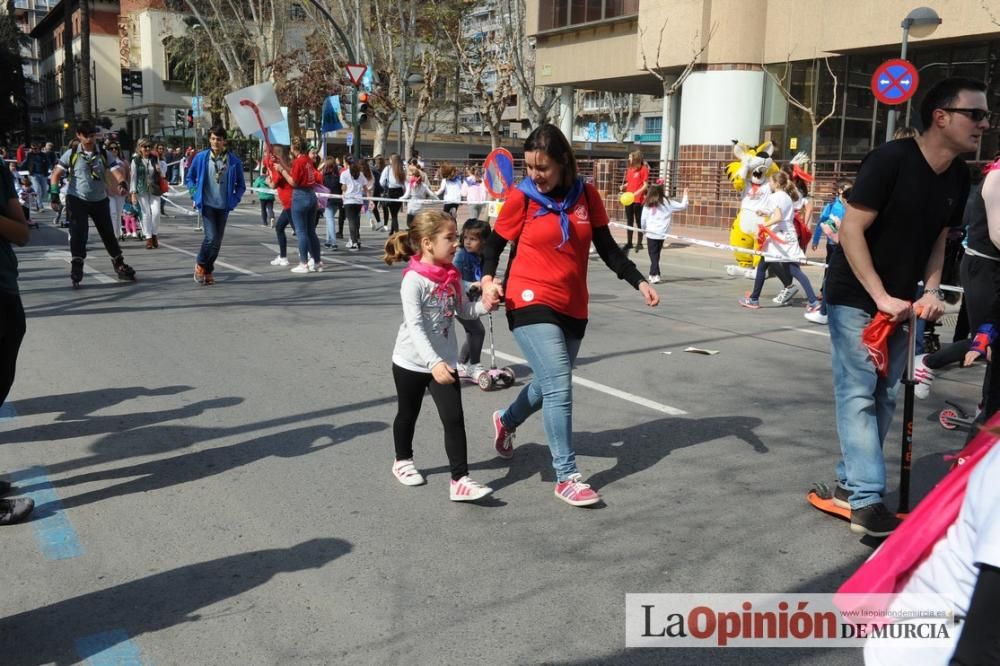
(198, 465)
(46, 635)
(634, 449)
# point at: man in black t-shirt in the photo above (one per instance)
(907, 195)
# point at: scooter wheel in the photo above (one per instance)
(507, 376)
(485, 381)
(945, 418)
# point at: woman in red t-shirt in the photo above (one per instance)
(275, 165)
(552, 217)
(302, 177)
(636, 179)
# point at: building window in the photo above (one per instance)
(556, 14)
(652, 125)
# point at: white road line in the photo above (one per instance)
(810, 331)
(217, 263)
(639, 400)
(332, 260)
(94, 273)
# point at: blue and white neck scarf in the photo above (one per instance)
(550, 205)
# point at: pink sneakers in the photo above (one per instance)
(467, 490)
(574, 491)
(503, 439)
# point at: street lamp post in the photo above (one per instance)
(922, 21)
(356, 121)
(414, 81)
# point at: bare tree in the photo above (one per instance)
(989, 12)
(622, 111)
(670, 86)
(521, 49)
(814, 119)
(242, 32)
(489, 74)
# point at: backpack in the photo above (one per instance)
(76, 153)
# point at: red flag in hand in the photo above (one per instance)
(875, 338)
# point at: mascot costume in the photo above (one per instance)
(749, 175)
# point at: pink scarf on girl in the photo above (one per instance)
(442, 276)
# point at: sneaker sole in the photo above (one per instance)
(861, 529)
(579, 502)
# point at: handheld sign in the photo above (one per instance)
(498, 172)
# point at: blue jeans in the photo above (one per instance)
(279, 229)
(864, 403)
(331, 221)
(551, 355)
(304, 220)
(214, 221)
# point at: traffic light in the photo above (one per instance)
(190, 118)
(362, 107)
(179, 118)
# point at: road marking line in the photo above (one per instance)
(56, 537)
(109, 648)
(93, 272)
(7, 412)
(217, 263)
(639, 400)
(810, 331)
(274, 248)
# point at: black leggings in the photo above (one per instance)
(12, 327)
(354, 222)
(654, 246)
(633, 218)
(475, 336)
(981, 281)
(451, 209)
(410, 387)
(393, 207)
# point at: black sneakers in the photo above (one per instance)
(15, 510)
(874, 520)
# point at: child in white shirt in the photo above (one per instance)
(426, 351)
(657, 214)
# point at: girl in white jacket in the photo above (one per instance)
(657, 213)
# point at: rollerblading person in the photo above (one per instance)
(125, 272)
(85, 167)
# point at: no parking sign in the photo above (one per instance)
(895, 81)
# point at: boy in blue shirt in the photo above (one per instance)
(829, 222)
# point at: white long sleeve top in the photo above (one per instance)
(427, 335)
(656, 220)
(421, 191)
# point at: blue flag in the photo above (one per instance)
(331, 114)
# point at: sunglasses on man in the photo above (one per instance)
(975, 115)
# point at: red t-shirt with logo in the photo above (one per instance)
(636, 178)
(282, 186)
(303, 172)
(540, 274)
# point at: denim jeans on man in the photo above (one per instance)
(551, 356)
(214, 221)
(864, 403)
(304, 206)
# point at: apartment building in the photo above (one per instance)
(28, 13)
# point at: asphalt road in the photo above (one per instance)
(215, 469)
